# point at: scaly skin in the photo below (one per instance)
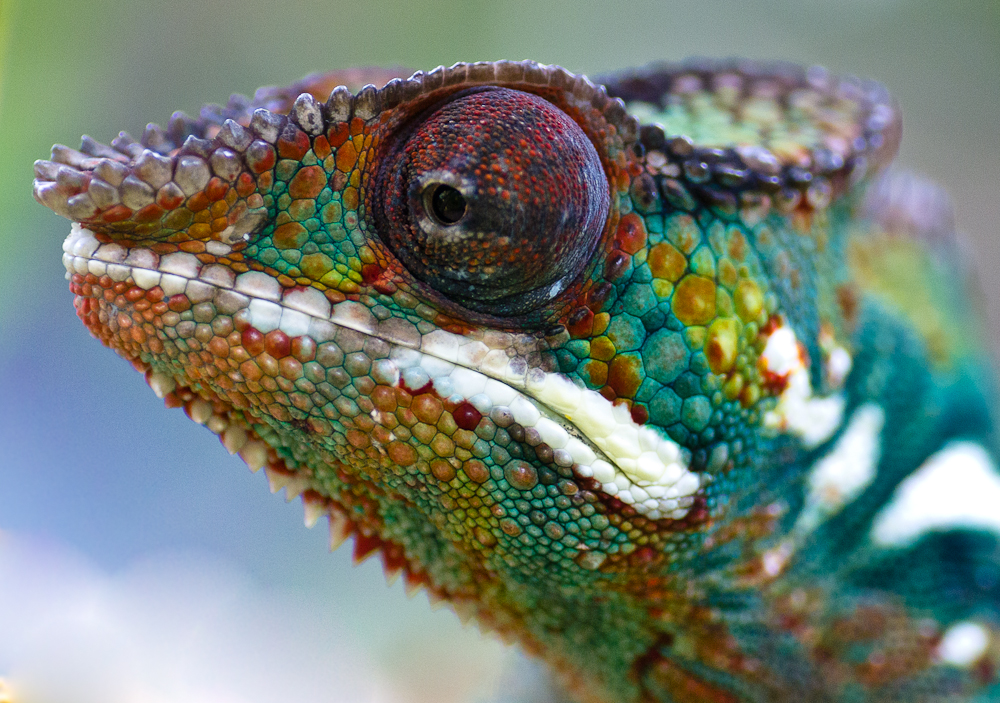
(638, 397)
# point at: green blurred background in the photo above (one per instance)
(91, 464)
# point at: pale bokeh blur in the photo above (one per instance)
(102, 492)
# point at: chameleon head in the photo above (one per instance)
(481, 320)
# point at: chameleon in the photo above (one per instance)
(665, 376)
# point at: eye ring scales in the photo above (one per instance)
(496, 200)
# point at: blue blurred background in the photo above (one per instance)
(100, 485)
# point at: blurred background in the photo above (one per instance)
(138, 560)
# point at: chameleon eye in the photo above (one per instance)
(495, 198)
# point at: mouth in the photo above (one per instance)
(263, 345)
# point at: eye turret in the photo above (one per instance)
(495, 198)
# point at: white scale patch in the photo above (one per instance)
(835, 480)
(813, 418)
(634, 463)
(842, 474)
(963, 644)
(956, 487)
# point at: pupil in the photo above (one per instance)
(447, 205)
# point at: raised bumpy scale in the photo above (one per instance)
(660, 375)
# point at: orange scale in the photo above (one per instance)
(338, 134)
(219, 208)
(364, 423)
(269, 365)
(358, 440)
(237, 354)
(219, 347)
(385, 287)
(293, 144)
(169, 198)
(238, 399)
(198, 202)
(631, 235)
(290, 235)
(347, 156)
(216, 189)
(350, 198)
(253, 341)
(251, 372)
(307, 182)
(202, 217)
(117, 213)
(261, 157)
(179, 303)
(290, 367)
(245, 185)
(321, 147)
(384, 399)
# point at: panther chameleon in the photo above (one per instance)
(663, 376)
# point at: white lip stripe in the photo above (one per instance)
(641, 466)
(957, 487)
